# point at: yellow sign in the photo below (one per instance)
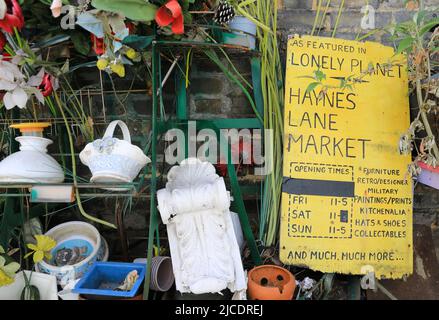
(346, 197)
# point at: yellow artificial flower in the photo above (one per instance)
(118, 69)
(7, 272)
(42, 249)
(132, 54)
(102, 64)
(5, 279)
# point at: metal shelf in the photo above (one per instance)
(99, 188)
(160, 125)
(229, 48)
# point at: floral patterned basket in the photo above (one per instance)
(111, 159)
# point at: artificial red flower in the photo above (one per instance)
(131, 27)
(13, 17)
(171, 14)
(98, 44)
(46, 86)
(6, 57)
(242, 150)
(2, 41)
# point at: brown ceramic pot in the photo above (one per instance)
(269, 282)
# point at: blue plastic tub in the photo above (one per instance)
(102, 277)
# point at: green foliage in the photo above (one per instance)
(312, 86)
(138, 10)
(81, 42)
(138, 42)
(414, 39)
(29, 292)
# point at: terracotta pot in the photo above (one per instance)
(271, 282)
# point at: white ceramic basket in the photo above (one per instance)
(113, 160)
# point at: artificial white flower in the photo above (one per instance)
(36, 80)
(3, 9)
(16, 98)
(18, 91)
(56, 7)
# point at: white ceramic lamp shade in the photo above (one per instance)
(31, 164)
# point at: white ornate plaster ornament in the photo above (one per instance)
(204, 250)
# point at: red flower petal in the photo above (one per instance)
(6, 56)
(98, 44)
(171, 14)
(9, 22)
(2, 41)
(163, 18)
(46, 87)
(16, 11)
(174, 7)
(131, 27)
(13, 17)
(178, 25)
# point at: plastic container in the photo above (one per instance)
(69, 235)
(162, 275)
(45, 283)
(243, 33)
(105, 275)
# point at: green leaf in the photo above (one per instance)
(139, 10)
(2, 250)
(185, 5)
(312, 86)
(138, 42)
(81, 43)
(28, 254)
(90, 64)
(11, 269)
(418, 17)
(52, 41)
(187, 17)
(342, 83)
(319, 75)
(427, 26)
(307, 77)
(405, 45)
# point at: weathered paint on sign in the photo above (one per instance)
(346, 198)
